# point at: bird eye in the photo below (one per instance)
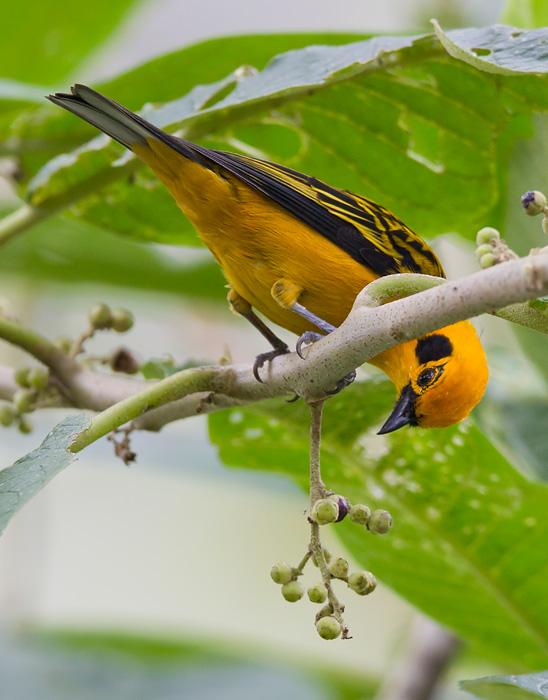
(426, 376)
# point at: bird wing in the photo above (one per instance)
(369, 233)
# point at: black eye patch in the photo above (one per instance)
(432, 348)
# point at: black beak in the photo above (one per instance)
(403, 413)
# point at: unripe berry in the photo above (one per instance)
(487, 260)
(483, 249)
(486, 235)
(22, 376)
(380, 522)
(63, 343)
(359, 514)
(292, 591)
(100, 316)
(7, 415)
(325, 511)
(122, 320)
(533, 202)
(38, 378)
(545, 225)
(317, 593)
(281, 573)
(362, 582)
(25, 427)
(338, 568)
(328, 628)
(22, 400)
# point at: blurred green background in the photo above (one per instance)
(153, 582)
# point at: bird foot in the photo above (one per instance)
(307, 338)
(264, 357)
(342, 383)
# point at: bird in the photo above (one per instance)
(298, 251)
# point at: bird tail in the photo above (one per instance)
(116, 121)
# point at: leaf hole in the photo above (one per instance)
(514, 35)
(481, 51)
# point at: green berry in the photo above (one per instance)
(380, 522)
(22, 400)
(338, 568)
(325, 511)
(487, 260)
(63, 343)
(486, 235)
(483, 249)
(533, 202)
(545, 225)
(7, 416)
(281, 573)
(122, 320)
(100, 316)
(362, 582)
(359, 514)
(317, 593)
(292, 591)
(38, 378)
(22, 376)
(328, 628)
(25, 427)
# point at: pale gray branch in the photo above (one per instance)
(368, 330)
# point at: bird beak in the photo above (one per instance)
(403, 413)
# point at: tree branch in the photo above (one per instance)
(368, 330)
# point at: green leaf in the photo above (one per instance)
(498, 49)
(394, 118)
(524, 687)
(470, 534)
(42, 41)
(24, 479)
(36, 136)
(527, 14)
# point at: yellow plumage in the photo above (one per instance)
(287, 241)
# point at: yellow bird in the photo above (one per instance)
(299, 251)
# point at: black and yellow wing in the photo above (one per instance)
(366, 231)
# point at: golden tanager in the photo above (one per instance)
(299, 251)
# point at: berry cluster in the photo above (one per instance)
(487, 240)
(34, 388)
(335, 508)
(332, 509)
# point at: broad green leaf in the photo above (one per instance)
(43, 41)
(527, 171)
(470, 534)
(414, 129)
(20, 482)
(159, 80)
(526, 687)
(527, 14)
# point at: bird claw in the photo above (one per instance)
(343, 383)
(307, 338)
(267, 357)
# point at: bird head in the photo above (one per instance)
(439, 377)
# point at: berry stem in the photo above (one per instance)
(78, 344)
(317, 492)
